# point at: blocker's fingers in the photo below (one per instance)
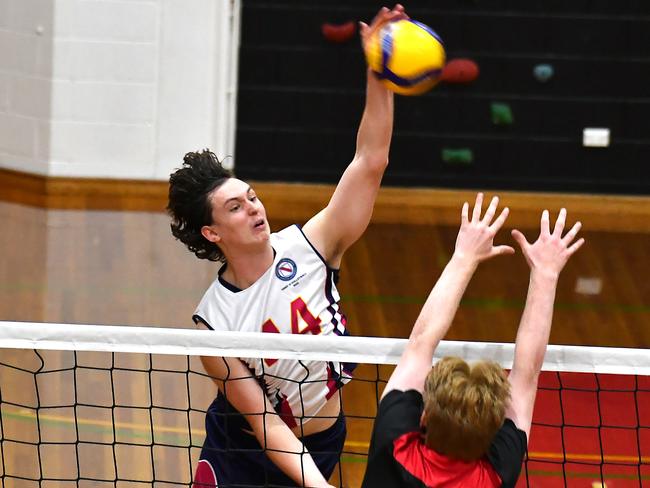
(491, 210)
(520, 239)
(544, 223)
(568, 238)
(464, 213)
(498, 250)
(576, 245)
(560, 222)
(498, 223)
(476, 214)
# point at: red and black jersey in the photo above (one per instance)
(398, 456)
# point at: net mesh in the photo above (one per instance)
(109, 406)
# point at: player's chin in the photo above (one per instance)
(262, 233)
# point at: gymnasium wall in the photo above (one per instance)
(25, 95)
(112, 88)
(300, 97)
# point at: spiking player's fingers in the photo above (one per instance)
(363, 29)
(576, 245)
(491, 210)
(402, 11)
(382, 12)
(464, 213)
(498, 223)
(559, 223)
(476, 214)
(568, 238)
(544, 223)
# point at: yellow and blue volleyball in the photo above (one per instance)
(407, 56)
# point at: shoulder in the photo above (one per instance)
(211, 302)
(507, 452)
(399, 412)
(293, 237)
(290, 233)
(510, 433)
(210, 292)
(398, 399)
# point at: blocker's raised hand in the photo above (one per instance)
(476, 234)
(550, 252)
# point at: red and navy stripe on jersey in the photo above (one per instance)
(398, 456)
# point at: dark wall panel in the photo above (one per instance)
(300, 98)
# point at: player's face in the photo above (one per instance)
(238, 216)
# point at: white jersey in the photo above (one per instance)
(296, 295)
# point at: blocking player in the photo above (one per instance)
(456, 425)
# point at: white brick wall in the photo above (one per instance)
(96, 102)
(111, 88)
(4, 92)
(124, 21)
(116, 150)
(18, 135)
(29, 97)
(119, 62)
(24, 95)
(23, 16)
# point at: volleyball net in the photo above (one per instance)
(100, 406)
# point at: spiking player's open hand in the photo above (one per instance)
(383, 16)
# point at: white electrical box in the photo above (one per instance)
(595, 137)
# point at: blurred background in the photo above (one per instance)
(548, 69)
(100, 100)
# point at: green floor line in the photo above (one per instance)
(494, 303)
(354, 460)
(173, 439)
(95, 426)
(539, 472)
(596, 475)
(480, 303)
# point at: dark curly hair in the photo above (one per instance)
(189, 205)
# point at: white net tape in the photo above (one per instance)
(372, 350)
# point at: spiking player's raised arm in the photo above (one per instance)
(266, 419)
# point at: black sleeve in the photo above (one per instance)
(399, 412)
(200, 320)
(507, 453)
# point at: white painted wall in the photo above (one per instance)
(25, 94)
(115, 88)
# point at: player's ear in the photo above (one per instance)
(210, 234)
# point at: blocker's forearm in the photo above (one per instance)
(535, 326)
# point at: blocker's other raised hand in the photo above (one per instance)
(475, 239)
(551, 251)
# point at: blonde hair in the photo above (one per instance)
(464, 407)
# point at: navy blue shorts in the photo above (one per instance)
(233, 458)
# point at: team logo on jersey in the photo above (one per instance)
(286, 269)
